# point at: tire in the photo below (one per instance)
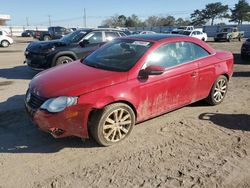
(107, 128)
(229, 39)
(220, 87)
(5, 43)
(46, 38)
(203, 39)
(243, 57)
(239, 39)
(62, 60)
(216, 40)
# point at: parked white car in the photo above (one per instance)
(5, 40)
(196, 33)
(147, 32)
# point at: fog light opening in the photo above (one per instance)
(57, 132)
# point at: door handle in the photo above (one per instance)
(194, 74)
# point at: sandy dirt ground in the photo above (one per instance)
(195, 146)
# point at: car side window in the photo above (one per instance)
(1, 33)
(94, 37)
(198, 51)
(164, 56)
(176, 53)
(122, 34)
(111, 35)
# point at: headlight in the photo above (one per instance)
(58, 104)
(51, 49)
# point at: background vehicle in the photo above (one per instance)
(245, 49)
(52, 33)
(125, 82)
(76, 45)
(147, 32)
(28, 33)
(227, 34)
(195, 33)
(5, 39)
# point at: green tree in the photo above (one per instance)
(122, 20)
(240, 12)
(133, 21)
(198, 17)
(152, 21)
(216, 10)
(168, 21)
(182, 22)
(211, 12)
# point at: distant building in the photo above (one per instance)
(4, 18)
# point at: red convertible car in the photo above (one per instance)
(127, 81)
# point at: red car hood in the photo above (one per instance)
(73, 79)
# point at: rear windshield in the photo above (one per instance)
(119, 55)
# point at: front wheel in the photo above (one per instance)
(5, 43)
(218, 91)
(63, 60)
(112, 124)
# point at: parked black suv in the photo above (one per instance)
(76, 45)
(245, 50)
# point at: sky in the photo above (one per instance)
(70, 13)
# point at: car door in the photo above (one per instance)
(176, 87)
(95, 40)
(207, 64)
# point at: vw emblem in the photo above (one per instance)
(28, 96)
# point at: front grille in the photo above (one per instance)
(35, 101)
(221, 35)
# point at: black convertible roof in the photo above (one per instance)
(155, 37)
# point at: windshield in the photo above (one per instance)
(119, 55)
(226, 30)
(185, 33)
(74, 37)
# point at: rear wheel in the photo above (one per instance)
(218, 91)
(5, 43)
(239, 38)
(112, 124)
(46, 37)
(63, 60)
(203, 39)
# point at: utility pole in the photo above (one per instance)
(84, 18)
(27, 21)
(49, 20)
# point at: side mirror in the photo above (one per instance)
(83, 43)
(151, 70)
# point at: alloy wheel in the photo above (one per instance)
(5, 43)
(117, 125)
(220, 90)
